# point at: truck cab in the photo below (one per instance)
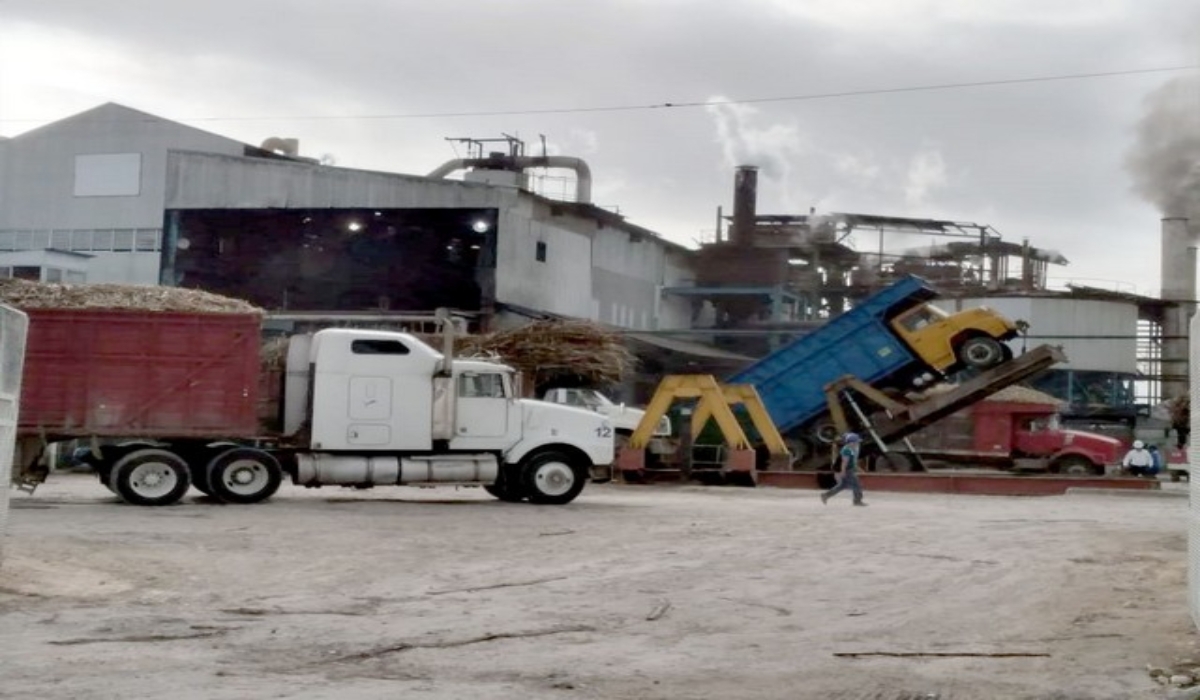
(625, 419)
(946, 342)
(384, 407)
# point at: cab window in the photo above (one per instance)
(920, 318)
(583, 399)
(481, 386)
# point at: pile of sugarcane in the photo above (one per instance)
(546, 351)
(24, 294)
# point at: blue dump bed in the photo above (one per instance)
(791, 380)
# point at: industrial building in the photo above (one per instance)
(767, 278)
(118, 195)
(148, 200)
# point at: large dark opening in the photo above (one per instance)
(336, 259)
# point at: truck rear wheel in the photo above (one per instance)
(244, 475)
(552, 478)
(981, 352)
(150, 477)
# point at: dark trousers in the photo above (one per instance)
(848, 480)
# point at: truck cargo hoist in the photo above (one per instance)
(869, 370)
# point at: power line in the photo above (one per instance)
(692, 103)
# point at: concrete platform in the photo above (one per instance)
(966, 483)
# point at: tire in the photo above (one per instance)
(244, 475)
(1074, 465)
(150, 477)
(981, 353)
(825, 432)
(552, 478)
(106, 479)
(507, 488)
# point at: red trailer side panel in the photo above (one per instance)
(140, 374)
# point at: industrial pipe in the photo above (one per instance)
(583, 173)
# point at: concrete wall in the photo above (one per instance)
(560, 285)
(624, 268)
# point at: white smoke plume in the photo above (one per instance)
(744, 142)
(926, 173)
(1165, 160)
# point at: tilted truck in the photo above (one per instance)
(1014, 429)
(171, 400)
(892, 340)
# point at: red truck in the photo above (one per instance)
(1010, 431)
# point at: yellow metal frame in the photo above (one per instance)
(715, 401)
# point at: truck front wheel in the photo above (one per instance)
(150, 477)
(244, 475)
(552, 478)
(1075, 465)
(981, 352)
(508, 486)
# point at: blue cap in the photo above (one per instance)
(851, 437)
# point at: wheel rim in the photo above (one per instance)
(554, 478)
(982, 353)
(827, 432)
(153, 479)
(245, 477)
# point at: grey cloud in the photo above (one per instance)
(1043, 160)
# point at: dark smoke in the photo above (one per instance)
(1165, 161)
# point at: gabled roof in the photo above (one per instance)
(113, 112)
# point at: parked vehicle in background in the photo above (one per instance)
(1014, 429)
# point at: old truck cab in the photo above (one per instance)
(973, 338)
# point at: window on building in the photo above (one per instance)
(27, 272)
(108, 175)
(540, 253)
(54, 274)
(123, 240)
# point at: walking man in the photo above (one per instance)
(849, 468)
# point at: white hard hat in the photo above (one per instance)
(1138, 444)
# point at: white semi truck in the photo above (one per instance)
(170, 401)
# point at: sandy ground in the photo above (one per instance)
(630, 592)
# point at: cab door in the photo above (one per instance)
(482, 405)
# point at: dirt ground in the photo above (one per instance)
(631, 592)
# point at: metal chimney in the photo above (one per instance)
(745, 199)
(1178, 285)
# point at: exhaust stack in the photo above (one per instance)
(745, 202)
(1179, 286)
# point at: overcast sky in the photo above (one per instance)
(1043, 160)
